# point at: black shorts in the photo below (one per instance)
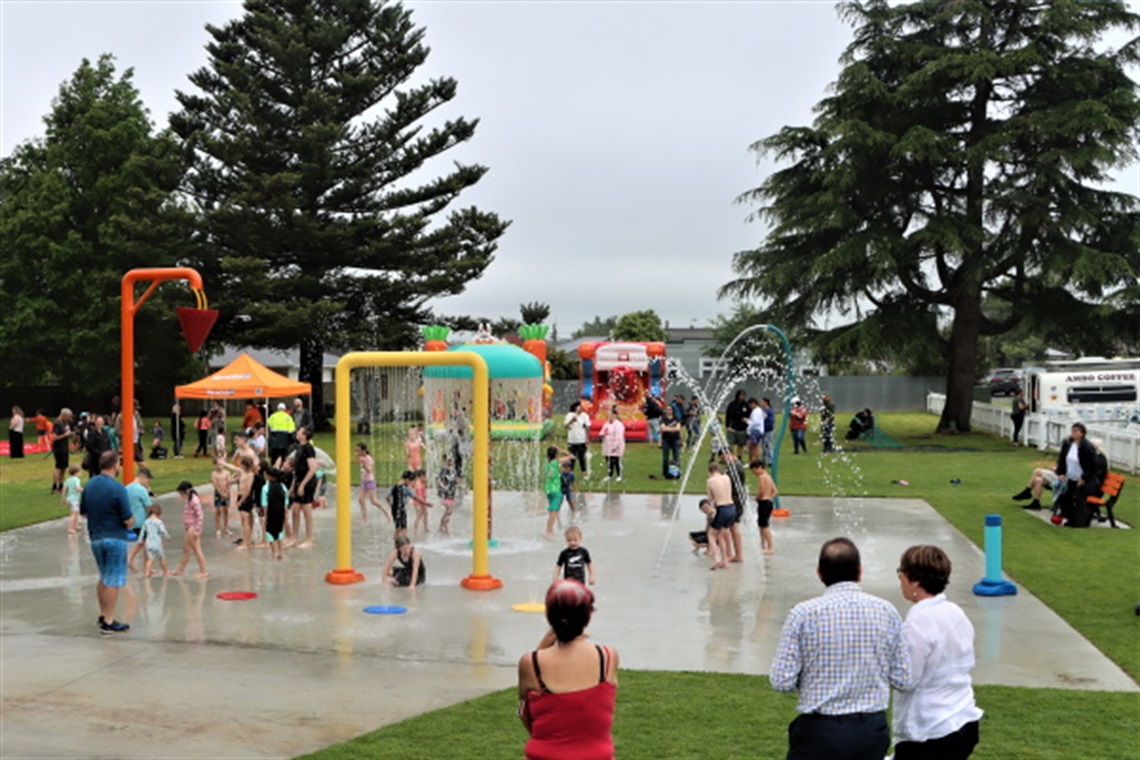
(400, 518)
(246, 506)
(725, 515)
(62, 457)
(737, 437)
(305, 495)
(763, 512)
(403, 576)
(699, 537)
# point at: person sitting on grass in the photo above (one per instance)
(411, 571)
(862, 424)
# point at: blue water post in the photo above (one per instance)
(993, 584)
(789, 394)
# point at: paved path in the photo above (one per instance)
(301, 666)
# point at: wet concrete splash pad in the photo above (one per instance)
(332, 671)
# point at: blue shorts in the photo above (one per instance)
(553, 502)
(756, 437)
(111, 558)
(725, 516)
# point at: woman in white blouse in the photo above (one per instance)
(937, 717)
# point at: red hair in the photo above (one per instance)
(569, 606)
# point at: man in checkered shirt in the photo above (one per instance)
(842, 652)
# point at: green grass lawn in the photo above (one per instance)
(715, 715)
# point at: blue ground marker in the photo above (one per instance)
(385, 609)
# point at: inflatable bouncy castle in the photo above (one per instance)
(621, 376)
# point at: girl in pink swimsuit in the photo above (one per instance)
(192, 521)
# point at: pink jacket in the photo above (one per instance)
(613, 439)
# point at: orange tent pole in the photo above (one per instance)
(128, 309)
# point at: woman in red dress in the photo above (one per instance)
(567, 685)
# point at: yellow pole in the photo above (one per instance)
(480, 578)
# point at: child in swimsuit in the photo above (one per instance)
(368, 483)
(411, 570)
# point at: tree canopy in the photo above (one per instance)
(78, 208)
(534, 313)
(326, 220)
(639, 326)
(960, 168)
(598, 326)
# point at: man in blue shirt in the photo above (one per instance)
(108, 511)
(842, 653)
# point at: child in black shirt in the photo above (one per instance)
(574, 561)
(398, 497)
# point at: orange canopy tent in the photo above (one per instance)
(244, 377)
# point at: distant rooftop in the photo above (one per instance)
(682, 334)
(270, 357)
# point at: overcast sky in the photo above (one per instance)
(616, 134)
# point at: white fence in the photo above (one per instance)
(1121, 444)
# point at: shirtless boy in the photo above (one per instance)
(766, 493)
(719, 491)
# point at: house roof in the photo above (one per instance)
(270, 357)
(571, 346)
(681, 334)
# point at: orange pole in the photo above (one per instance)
(128, 309)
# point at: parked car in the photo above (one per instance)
(1005, 382)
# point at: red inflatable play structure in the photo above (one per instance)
(621, 375)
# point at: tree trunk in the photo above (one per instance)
(312, 372)
(964, 334)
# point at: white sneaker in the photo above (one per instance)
(619, 479)
(606, 479)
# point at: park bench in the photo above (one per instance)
(1109, 494)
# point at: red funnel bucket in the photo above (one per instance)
(196, 325)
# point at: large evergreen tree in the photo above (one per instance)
(962, 160)
(323, 216)
(78, 208)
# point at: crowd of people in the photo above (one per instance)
(843, 654)
(675, 426)
(272, 483)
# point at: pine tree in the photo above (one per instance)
(312, 149)
(961, 160)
